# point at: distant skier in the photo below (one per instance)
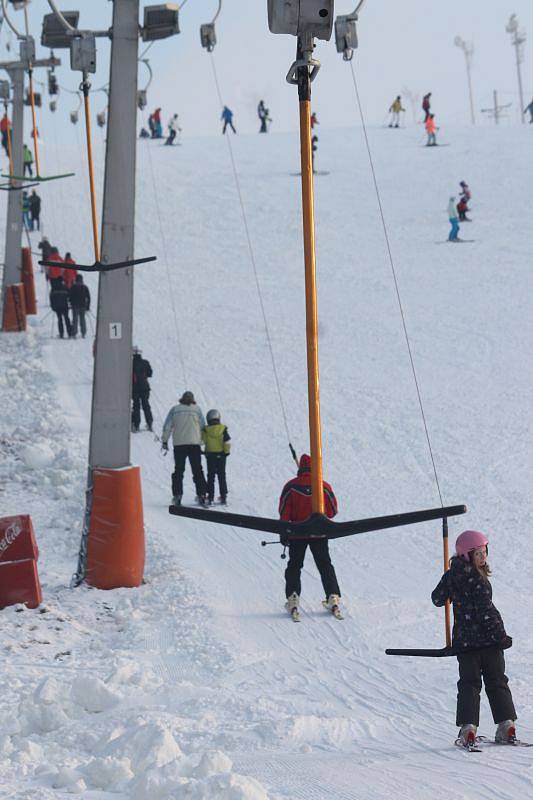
(227, 117)
(295, 506)
(80, 303)
(151, 125)
(185, 423)
(526, 109)
(35, 210)
(46, 250)
(395, 110)
(27, 158)
(462, 208)
(314, 120)
(454, 221)
(55, 271)
(173, 129)
(263, 114)
(59, 304)
(479, 639)
(140, 394)
(314, 148)
(5, 131)
(144, 133)
(465, 191)
(157, 132)
(426, 106)
(69, 275)
(217, 446)
(431, 130)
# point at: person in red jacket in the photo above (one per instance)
(295, 506)
(55, 272)
(69, 275)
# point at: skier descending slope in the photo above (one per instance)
(295, 506)
(185, 422)
(479, 638)
(395, 110)
(454, 221)
(431, 130)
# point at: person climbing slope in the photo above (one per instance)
(140, 391)
(217, 446)
(185, 423)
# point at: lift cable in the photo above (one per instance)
(396, 285)
(255, 271)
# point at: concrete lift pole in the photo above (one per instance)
(14, 226)
(112, 547)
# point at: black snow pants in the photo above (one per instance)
(63, 315)
(320, 551)
(216, 468)
(489, 663)
(138, 399)
(192, 452)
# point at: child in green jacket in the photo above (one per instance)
(216, 441)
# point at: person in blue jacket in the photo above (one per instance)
(227, 116)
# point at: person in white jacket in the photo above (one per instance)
(185, 423)
(454, 221)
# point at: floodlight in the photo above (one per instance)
(160, 22)
(54, 34)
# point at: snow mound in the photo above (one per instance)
(93, 695)
(146, 745)
(37, 456)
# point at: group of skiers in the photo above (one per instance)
(156, 127)
(190, 432)
(31, 210)
(68, 292)
(457, 211)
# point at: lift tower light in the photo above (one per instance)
(53, 34)
(160, 22)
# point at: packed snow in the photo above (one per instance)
(197, 684)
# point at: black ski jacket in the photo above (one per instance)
(477, 622)
(59, 298)
(79, 296)
(141, 372)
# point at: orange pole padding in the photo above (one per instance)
(28, 281)
(91, 173)
(447, 621)
(311, 309)
(34, 122)
(115, 544)
(14, 317)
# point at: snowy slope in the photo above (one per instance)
(203, 658)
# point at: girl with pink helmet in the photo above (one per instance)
(478, 639)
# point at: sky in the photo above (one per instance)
(402, 47)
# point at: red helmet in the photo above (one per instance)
(468, 541)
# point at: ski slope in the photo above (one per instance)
(198, 685)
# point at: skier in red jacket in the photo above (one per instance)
(295, 506)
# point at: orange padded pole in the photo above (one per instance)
(311, 306)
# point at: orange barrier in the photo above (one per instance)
(19, 583)
(14, 309)
(17, 539)
(115, 544)
(19, 580)
(28, 281)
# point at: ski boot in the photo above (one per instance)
(223, 501)
(202, 499)
(292, 604)
(467, 735)
(505, 732)
(332, 604)
(176, 500)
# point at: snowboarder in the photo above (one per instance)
(27, 157)
(454, 221)
(295, 506)
(431, 130)
(396, 109)
(314, 120)
(80, 302)
(479, 638)
(69, 275)
(526, 109)
(227, 116)
(59, 304)
(217, 446)
(35, 210)
(26, 216)
(173, 129)
(186, 422)
(140, 391)
(426, 106)
(5, 130)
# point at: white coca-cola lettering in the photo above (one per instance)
(12, 532)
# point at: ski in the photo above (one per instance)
(469, 748)
(335, 610)
(456, 241)
(515, 743)
(294, 613)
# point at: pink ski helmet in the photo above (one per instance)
(469, 540)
